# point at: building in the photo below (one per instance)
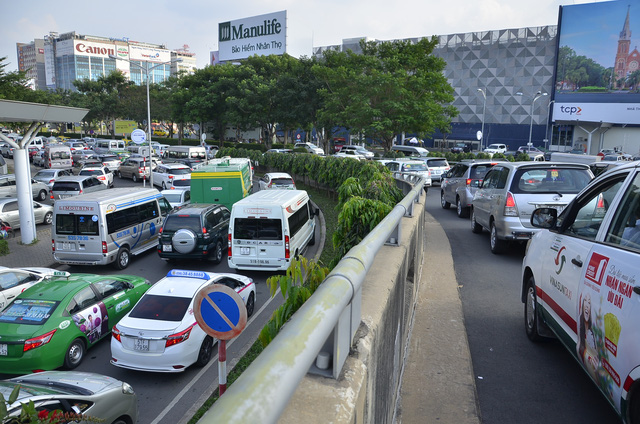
(60, 59)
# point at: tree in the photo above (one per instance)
(13, 85)
(392, 87)
(633, 80)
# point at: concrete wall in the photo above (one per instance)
(367, 389)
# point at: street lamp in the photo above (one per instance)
(536, 97)
(546, 128)
(146, 70)
(484, 105)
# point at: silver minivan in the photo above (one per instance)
(457, 186)
(76, 185)
(58, 156)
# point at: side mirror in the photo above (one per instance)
(544, 218)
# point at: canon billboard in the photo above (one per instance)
(262, 35)
(598, 63)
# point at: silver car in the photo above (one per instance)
(10, 212)
(76, 185)
(49, 176)
(459, 184)
(8, 188)
(80, 393)
(510, 192)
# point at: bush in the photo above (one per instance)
(4, 247)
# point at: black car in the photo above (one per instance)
(196, 231)
(461, 148)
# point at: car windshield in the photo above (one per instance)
(66, 186)
(161, 308)
(28, 311)
(550, 180)
(177, 221)
(282, 181)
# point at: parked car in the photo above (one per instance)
(461, 148)
(457, 186)
(196, 231)
(14, 281)
(349, 154)
(6, 150)
(159, 333)
(10, 212)
(276, 180)
(437, 167)
(75, 185)
(177, 198)
(360, 150)
(74, 393)
(407, 166)
(310, 148)
(53, 323)
(279, 151)
(410, 150)
(135, 168)
(170, 175)
(77, 145)
(579, 284)
(111, 161)
(529, 149)
(49, 176)
(39, 158)
(102, 173)
(80, 155)
(8, 188)
(496, 148)
(511, 191)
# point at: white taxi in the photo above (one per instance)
(160, 333)
(580, 283)
(14, 281)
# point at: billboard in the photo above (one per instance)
(262, 35)
(149, 54)
(598, 63)
(88, 48)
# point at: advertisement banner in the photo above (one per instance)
(64, 48)
(89, 48)
(262, 35)
(124, 127)
(598, 63)
(49, 66)
(149, 54)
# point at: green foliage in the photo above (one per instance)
(522, 157)
(300, 281)
(4, 247)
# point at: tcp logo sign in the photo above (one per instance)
(224, 32)
(571, 110)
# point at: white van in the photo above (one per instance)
(107, 226)
(58, 156)
(410, 150)
(102, 146)
(185, 152)
(269, 228)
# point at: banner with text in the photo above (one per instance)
(262, 35)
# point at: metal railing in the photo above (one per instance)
(324, 326)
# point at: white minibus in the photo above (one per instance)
(185, 152)
(269, 228)
(107, 226)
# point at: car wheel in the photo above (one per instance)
(217, 253)
(122, 259)
(206, 351)
(42, 195)
(497, 245)
(444, 203)
(250, 305)
(184, 241)
(48, 218)
(134, 177)
(475, 227)
(633, 402)
(426, 189)
(531, 312)
(74, 354)
(120, 421)
(119, 174)
(460, 210)
(164, 186)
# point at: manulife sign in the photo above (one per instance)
(262, 35)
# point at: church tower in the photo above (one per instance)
(624, 43)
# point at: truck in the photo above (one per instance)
(224, 182)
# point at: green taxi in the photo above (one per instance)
(53, 323)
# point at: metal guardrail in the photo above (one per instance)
(320, 332)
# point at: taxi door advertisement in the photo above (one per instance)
(607, 335)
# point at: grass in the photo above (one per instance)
(328, 208)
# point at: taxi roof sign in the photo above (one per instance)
(188, 274)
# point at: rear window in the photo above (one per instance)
(60, 154)
(436, 163)
(28, 311)
(414, 167)
(550, 180)
(77, 225)
(182, 183)
(109, 158)
(177, 221)
(282, 181)
(90, 172)
(66, 186)
(478, 172)
(257, 229)
(162, 308)
(180, 171)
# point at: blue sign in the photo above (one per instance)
(220, 311)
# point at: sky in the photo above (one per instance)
(309, 23)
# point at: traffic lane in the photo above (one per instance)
(517, 380)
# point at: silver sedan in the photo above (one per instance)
(10, 212)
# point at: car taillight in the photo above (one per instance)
(229, 246)
(53, 245)
(116, 333)
(469, 181)
(38, 341)
(171, 177)
(204, 230)
(510, 208)
(270, 184)
(287, 254)
(104, 247)
(180, 337)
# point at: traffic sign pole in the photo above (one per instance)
(222, 367)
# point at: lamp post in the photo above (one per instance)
(546, 128)
(484, 105)
(146, 70)
(536, 97)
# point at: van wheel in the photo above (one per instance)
(217, 253)
(42, 195)
(122, 260)
(134, 177)
(164, 186)
(74, 354)
(461, 210)
(475, 227)
(497, 245)
(119, 174)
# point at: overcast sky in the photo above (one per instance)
(309, 23)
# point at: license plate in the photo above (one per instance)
(167, 248)
(64, 196)
(244, 250)
(68, 246)
(141, 345)
(3, 349)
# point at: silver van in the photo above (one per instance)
(410, 150)
(75, 185)
(58, 156)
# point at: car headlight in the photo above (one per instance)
(127, 389)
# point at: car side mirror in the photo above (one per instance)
(544, 218)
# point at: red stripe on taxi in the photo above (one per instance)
(568, 320)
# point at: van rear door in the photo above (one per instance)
(258, 242)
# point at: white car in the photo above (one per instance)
(359, 150)
(104, 174)
(14, 281)
(172, 175)
(177, 198)
(349, 154)
(160, 333)
(415, 167)
(580, 283)
(279, 180)
(310, 148)
(496, 148)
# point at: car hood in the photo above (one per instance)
(57, 380)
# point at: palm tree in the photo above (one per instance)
(633, 80)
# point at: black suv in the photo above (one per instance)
(196, 231)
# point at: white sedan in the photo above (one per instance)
(14, 281)
(160, 333)
(280, 180)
